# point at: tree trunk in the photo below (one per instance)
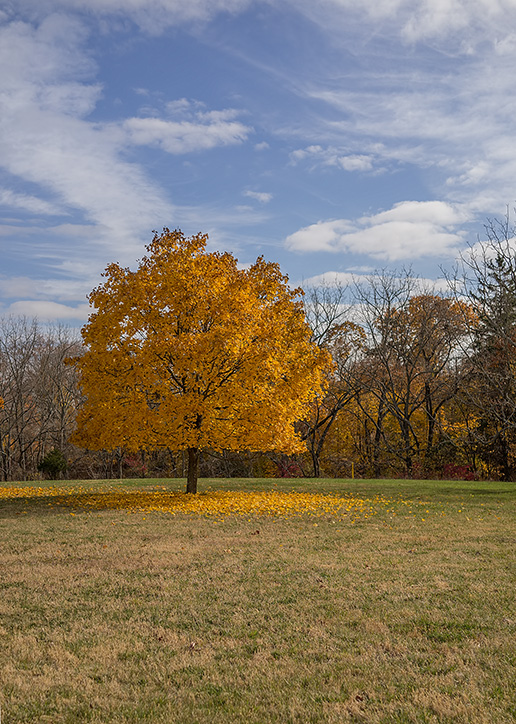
(193, 469)
(378, 437)
(504, 454)
(407, 447)
(315, 461)
(430, 416)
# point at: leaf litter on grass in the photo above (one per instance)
(213, 503)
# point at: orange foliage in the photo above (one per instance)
(189, 351)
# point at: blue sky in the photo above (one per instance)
(332, 136)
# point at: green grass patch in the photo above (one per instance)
(398, 610)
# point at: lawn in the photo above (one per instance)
(258, 601)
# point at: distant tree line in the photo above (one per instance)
(423, 384)
(39, 395)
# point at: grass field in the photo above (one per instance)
(259, 601)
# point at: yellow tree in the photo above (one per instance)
(191, 352)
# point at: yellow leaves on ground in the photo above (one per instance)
(213, 503)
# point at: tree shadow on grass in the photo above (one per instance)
(80, 502)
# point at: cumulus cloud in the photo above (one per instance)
(344, 279)
(438, 213)
(484, 250)
(410, 230)
(354, 163)
(322, 236)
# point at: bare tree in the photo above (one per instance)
(487, 279)
(40, 394)
(327, 308)
(410, 367)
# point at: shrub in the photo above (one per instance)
(53, 464)
(452, 471)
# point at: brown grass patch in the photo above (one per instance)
(107, 616)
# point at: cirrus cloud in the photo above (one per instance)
(78, 165)
(464, 23)
(152, 16)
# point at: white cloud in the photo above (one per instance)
(437, 213)
(454, 122)
(260, 196)
(484, 250)
(322, 236)
(300, 154)
(45, 140)
(332, 156)
(153, 16)
(329, 279)
(465, 23)
(396, 240)
(48, 140)
(343, 279)
(186, 136)
(409, 230)
(355, 163)
(21, 287)
(48, 311)
(433, 18)
(27, 202)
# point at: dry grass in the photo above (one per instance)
(392, 603)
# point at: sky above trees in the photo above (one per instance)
(333, 137)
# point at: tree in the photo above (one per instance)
(326, 309)
(410, 365)
(344, 342)
(426, 335)
(19, 427)
(488, 281)
(190, 352)
(53, 464)
(380, 374)
(39, 394)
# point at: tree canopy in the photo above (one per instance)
(191, 352)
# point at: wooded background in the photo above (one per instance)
(423, 385)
